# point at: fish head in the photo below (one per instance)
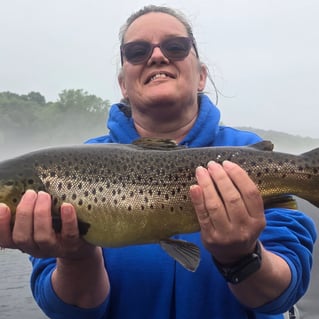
(11, 191)
(14, 182)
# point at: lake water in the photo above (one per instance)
(16, 299)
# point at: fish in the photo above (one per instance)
(132, 194)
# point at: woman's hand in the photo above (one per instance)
(230, 210)
(33, 233)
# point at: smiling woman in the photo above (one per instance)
(166, 91)
(255, 262)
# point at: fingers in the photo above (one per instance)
(23, 227)
(212, 201)
(5, 227)
(247, 188)
(230, 196)
(70, 231)
(198, 200)
(33, 232)
(229, 208)
(44, 235)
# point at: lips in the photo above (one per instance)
(159, 75)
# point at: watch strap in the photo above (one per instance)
(249, 264)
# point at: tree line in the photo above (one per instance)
(27, 121)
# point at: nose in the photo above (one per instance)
(157, 56)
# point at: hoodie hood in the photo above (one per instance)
(122, 130)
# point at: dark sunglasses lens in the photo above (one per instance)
(136, 52)
(173, 48)
(176, 48)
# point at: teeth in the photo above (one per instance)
(158, 75)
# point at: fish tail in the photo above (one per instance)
(311, 159)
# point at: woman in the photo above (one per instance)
(255, 263)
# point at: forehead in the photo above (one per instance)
(154, 25)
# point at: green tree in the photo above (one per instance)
(30, 120)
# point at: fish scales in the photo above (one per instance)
(130, 194)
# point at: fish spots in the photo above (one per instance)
(266, 170)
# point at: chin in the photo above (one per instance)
(162, 95)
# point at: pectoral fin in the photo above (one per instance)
(187, 254)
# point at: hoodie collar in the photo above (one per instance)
(122, 129)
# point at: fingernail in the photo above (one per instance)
(30, 193)
(200, 170)
(227, 163)
(3, 209)
(66, 209)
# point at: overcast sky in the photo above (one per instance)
(263, 55)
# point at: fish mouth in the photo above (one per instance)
(159, 75)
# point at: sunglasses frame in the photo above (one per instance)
(189, 40)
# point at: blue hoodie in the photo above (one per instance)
(147, 283)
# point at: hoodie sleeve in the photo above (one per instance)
(291, 235)
(47, 299)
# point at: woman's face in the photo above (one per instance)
(160, 81)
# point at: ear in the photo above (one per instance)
(202, 77)
(121, 81)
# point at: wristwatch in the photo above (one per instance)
(236, 273)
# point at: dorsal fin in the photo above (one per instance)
(314, 153)
(263, 146)
(156, 143)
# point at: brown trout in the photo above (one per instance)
(139, 194)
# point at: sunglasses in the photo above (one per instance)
(175, 49)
